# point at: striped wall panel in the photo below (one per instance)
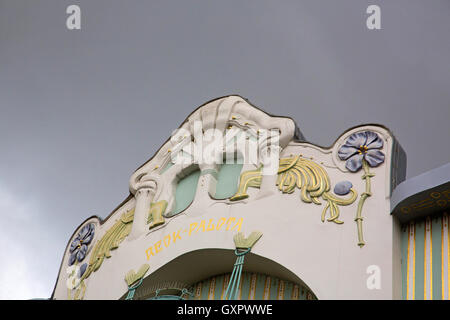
(425, 259)
(253, 286)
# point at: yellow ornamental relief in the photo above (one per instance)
(134, 280)
(110, 240)
(155, 216)
(312, 180)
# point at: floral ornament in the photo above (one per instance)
(79, 245)
(82, 269)
(360, 147)
(342, 188)
(362, 150)
(72, 280)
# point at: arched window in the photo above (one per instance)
(228, 180)
(185, 191)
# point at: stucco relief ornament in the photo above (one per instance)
(80, 245)
(101, 250)
(78, 251)
(362, 150)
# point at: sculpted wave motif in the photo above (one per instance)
(309, 177)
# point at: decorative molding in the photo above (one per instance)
(134, 280)
(362, 150)
(423, 195)
(110, 241)
(434, 199)
(155, 216)
(311, 178)
(131, 277)
(80, 245)
(150, 292)
(250, 178)
(302, 166)
(243, 246)
(246, 243)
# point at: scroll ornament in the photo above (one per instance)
(312, 180)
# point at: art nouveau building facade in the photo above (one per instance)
(296, 221)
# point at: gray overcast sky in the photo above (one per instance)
(81, 110)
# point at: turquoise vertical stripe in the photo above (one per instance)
(273, 288)
(437, 259)
(246, 281)
(301, 294)
(288, 287)
(205, 289)
(195, 291)
(260, 281)
(419, 268)
(219, 286)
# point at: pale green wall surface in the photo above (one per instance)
(228, 180)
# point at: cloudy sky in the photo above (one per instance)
(80, 110)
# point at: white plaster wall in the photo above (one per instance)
(324, 255)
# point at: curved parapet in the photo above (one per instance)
(322, 213)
